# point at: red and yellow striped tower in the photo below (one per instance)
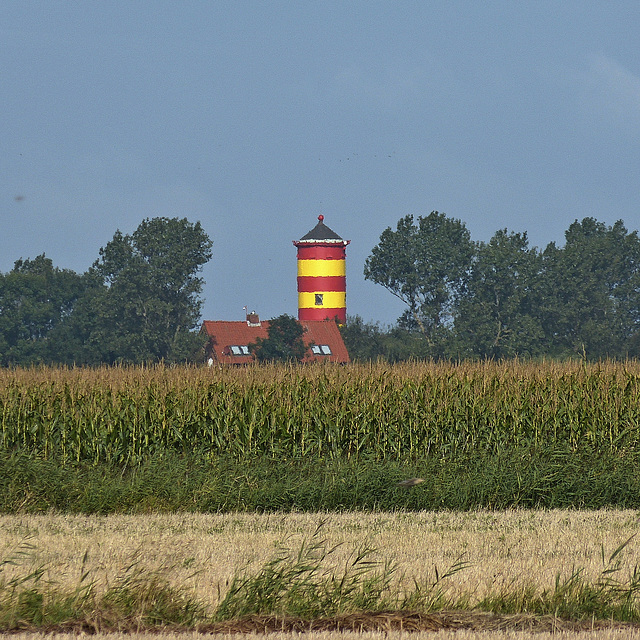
(322, 282)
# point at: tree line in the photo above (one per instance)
(503, 298)
(139, 301)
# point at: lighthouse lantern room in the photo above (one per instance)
(322, 282)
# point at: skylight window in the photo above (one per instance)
(239, 350)
(321, 349)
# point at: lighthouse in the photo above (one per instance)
(322, 282)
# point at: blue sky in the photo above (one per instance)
(254, 117)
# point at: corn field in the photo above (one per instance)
(377, 411)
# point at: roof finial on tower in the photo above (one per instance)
(321, 217)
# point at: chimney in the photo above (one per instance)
(253, 320)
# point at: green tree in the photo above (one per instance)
(70, 341)
(591, 295)
(364, 340)
(150, 304)
(284, 342)
(499, 316)
(426, 264)
(36, 299)
(367, 341)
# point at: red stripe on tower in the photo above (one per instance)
(323, 283)
(322, 287)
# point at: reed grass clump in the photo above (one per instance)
(137, 599)
(609, 597)
(304, 583)
(377, 411)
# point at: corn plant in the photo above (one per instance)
(406, 411)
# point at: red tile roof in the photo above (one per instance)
(223, 335)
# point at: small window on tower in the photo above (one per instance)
(319, 298)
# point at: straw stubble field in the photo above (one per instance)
(510, 549)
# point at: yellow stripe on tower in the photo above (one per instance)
(330, 299)
(322, 268)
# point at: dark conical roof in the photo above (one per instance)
(321, 232)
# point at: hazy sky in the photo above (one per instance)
(253, 117)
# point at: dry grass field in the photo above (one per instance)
(202, 552)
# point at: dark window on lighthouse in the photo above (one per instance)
(319, 298)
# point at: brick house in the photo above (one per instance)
(228, 341)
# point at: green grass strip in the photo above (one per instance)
(532, 478)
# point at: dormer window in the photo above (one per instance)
(239, 350)
(321, 350)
